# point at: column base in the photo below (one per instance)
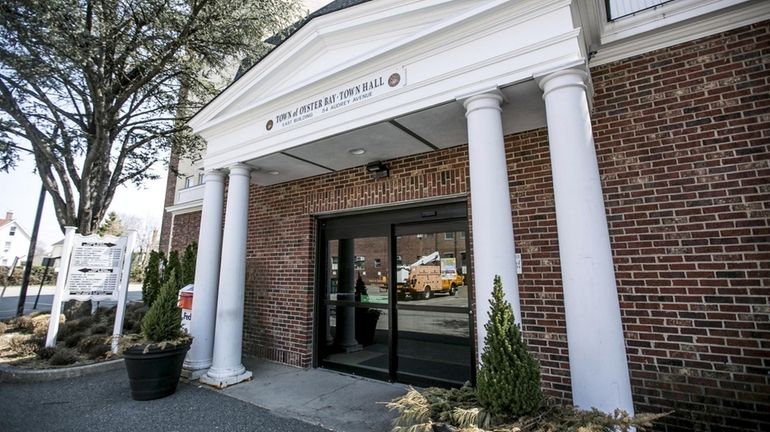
(222, 382)
(193, 374)
(347, 349)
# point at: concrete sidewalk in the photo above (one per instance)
(332, 400)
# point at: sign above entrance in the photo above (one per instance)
(340, 97)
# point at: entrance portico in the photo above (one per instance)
(389, 79)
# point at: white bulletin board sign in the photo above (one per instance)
(95, 268)
(92, 268)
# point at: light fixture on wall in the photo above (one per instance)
(378, 169)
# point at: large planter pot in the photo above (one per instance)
(366, 325)
(154, 374)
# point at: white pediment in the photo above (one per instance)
(332, 43)
(398, 58)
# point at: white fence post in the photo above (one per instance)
(123, 291)
(61, 280)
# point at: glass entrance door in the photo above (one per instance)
(356, 306)
(393, 296)
(432, 298)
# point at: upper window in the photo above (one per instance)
(201, 178)
(188, 181)
(13, 231)
(622, 8)
(7, 246)
(360, 263)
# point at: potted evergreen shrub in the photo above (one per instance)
(154, 360)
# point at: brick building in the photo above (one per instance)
(624, 158)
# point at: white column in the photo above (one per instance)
(204, 306)
(597, 356)
(493, 245)
(346, 315)
(226, 367)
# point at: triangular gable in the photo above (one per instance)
(18, 226)
(330, 44)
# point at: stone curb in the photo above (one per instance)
(10, 374)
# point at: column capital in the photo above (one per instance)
(214, 175)
(488, 100)
(572, 77)
(239, 169)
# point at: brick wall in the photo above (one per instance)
(683, 140)
(186, 230)
(281, 242)
(168, 200)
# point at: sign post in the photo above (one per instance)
(9, 274)
(123, 292)
(61, 279)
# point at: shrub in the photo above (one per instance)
(3, 327)
(105, 314)
(45, 352)
(25, 345)
(94, 346)
(163, 321)
(100, 329)
(172, 266)
(73, 339)
(22, 324)
(40, 325)
(132, 322)
(152, 277)
(62, 357)
(457, 410)
(98, 351)
(187, 271)
(508, 382)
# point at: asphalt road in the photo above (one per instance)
(10, 300)
(101, 402)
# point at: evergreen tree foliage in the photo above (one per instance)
(112, 225)
(163, 321)
(173, 265)
(152, 277)
(360, 288)
(189, 256)
(508, 382)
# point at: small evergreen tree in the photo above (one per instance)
(152, 277)
(173, 265)
(508, 382)
(163, 321)
(188, 264)
(360, 288)
(112, 225)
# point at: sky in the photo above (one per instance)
(20, 190)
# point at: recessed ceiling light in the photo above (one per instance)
(273, 172)
(357, 151)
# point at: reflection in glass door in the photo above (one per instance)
(393, 296)
(356, 336)
(432, 307)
